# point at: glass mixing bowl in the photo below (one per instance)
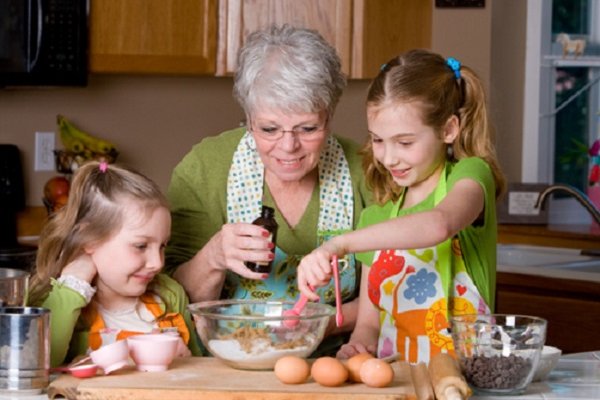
(498, 353)
(254, 334)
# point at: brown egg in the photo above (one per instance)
(292, 370)
(329, 371)
(376, 373)
(354, 363)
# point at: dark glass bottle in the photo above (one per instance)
(267, 221)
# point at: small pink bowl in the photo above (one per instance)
(153, 352)
(112, 356)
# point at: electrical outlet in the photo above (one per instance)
(44, 151)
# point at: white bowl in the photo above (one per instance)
(548, 360)
(153, 352)
(111, 357)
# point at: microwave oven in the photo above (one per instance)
(43, 42)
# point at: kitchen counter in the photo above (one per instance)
(577, 376)
(555, 273)
(208, 378)
(558, 235)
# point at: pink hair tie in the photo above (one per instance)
(103, 166)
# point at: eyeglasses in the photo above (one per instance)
(303, 132)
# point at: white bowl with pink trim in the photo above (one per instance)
(153, 352)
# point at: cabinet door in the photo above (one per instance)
(384, 29)
(238, 18)
(365, 33)
(153, 36)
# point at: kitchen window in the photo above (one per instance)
(562, 97)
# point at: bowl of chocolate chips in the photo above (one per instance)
(498, 353)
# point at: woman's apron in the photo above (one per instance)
(245, 187)
(411, 288)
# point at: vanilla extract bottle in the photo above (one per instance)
(267, 221)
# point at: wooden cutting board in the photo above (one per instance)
(208, 378)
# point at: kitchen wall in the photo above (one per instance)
(154, 120)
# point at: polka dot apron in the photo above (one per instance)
(245, 187)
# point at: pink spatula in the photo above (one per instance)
(339, 317)
(296, 310)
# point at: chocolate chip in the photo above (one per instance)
(496, 372)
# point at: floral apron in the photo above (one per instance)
(100, 335)
(411, 288)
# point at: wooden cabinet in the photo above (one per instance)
(203, 36)
(571, 307)
(153, 36)
(365, 33)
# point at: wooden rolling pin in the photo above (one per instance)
(446, 379)
(421, 381)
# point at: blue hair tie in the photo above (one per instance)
(454, 65)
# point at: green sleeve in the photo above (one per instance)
(478, 241)
(197, 195)
(65, 306)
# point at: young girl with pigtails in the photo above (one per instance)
(99, 263)
(428, 246)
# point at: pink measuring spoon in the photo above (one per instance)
(339, 317)
(80, 371)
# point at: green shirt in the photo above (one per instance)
(69, 334)
(478, 241)
(198, 197)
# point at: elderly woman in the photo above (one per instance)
(288, 82)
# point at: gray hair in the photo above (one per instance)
(288, 68)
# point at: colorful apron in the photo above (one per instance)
(245, 187)
(100, 335)
(411, 288)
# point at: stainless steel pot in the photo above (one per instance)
(13, 287)
(24, 350)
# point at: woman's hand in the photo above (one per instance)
(237, 243)
(82, 267)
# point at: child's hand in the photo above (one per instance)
(182, 349)
(353, 348)
(315, 269)
(82, 267)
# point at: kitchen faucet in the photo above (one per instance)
(579, 196)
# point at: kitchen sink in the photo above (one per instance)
(546, 257)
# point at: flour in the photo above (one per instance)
(262, 355)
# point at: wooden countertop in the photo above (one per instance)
(31, 221)
(207, 378)
(557, 235)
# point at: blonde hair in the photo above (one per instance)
(425, 77)
(93, 213)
